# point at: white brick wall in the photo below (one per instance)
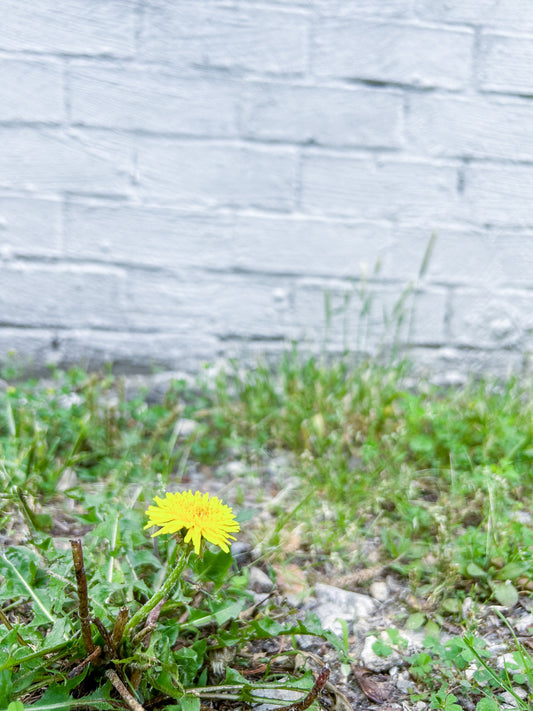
(182, 179)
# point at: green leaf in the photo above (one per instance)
(505, 593)
(451, 604)
(511, 571)
(474, 571)
(16, 706)
(189, 702)
(214, 567)
(381, 649)
(422, 444)
(487, 705)
(415, 621)
(234, 677)
(5, 686)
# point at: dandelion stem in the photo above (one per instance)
(162, 593)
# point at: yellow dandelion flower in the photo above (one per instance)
(202, 515)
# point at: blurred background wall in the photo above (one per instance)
(182, 180)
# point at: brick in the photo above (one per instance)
(321, 115)
(224, 306)
(503, 14)
(466, 127)
(303, 246)
(335, 184)
(514, 257)
(215, 175)
(150, 236)
(459, 256)
(425, 324)
(60, 297)
(364, 8)
(505, 64)
(391, 52)
(72, 26)
(152, 100)
(29, 226)
(499, 194)
(53, 160)
(214, 36)
(484, 319)
(164, 237)
(31, 91)
(182, 349)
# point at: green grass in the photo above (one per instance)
(436, 482)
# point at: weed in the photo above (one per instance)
(435, 483)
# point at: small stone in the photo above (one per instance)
(241, 552)
(507, 661)
(467, 606)
(415, 638)
(278, 696)
(335, 604)
(508, 698)
(373, 661)
(522, 517)
(236, 467)
(379, 591)
(404, 682)
(349, 603)
(524, 623)
(185, 428)
(259, 581)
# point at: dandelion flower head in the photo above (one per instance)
(203, 516)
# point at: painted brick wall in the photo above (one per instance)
(185, 179)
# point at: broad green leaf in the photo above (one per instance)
(381, 649)
(475, 571)
(487, 705)
(234, 677)
(506, 594)
(5, 686)
(415, 621)
(511, 571)
(189, 702)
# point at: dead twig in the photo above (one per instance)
(81, 666)
(118, 627)
(124, 693)
(83, 602)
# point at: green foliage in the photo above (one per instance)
(439, 482)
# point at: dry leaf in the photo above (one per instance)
(376, 687)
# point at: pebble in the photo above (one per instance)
(379, 591)
(508, 698)
(241, 552)
(373, 661)
(508, 661)
(334, 604)
(259, 581)
(236, 467)
(404, 682)
(524, 623)
(277, 696)
(185, 428)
